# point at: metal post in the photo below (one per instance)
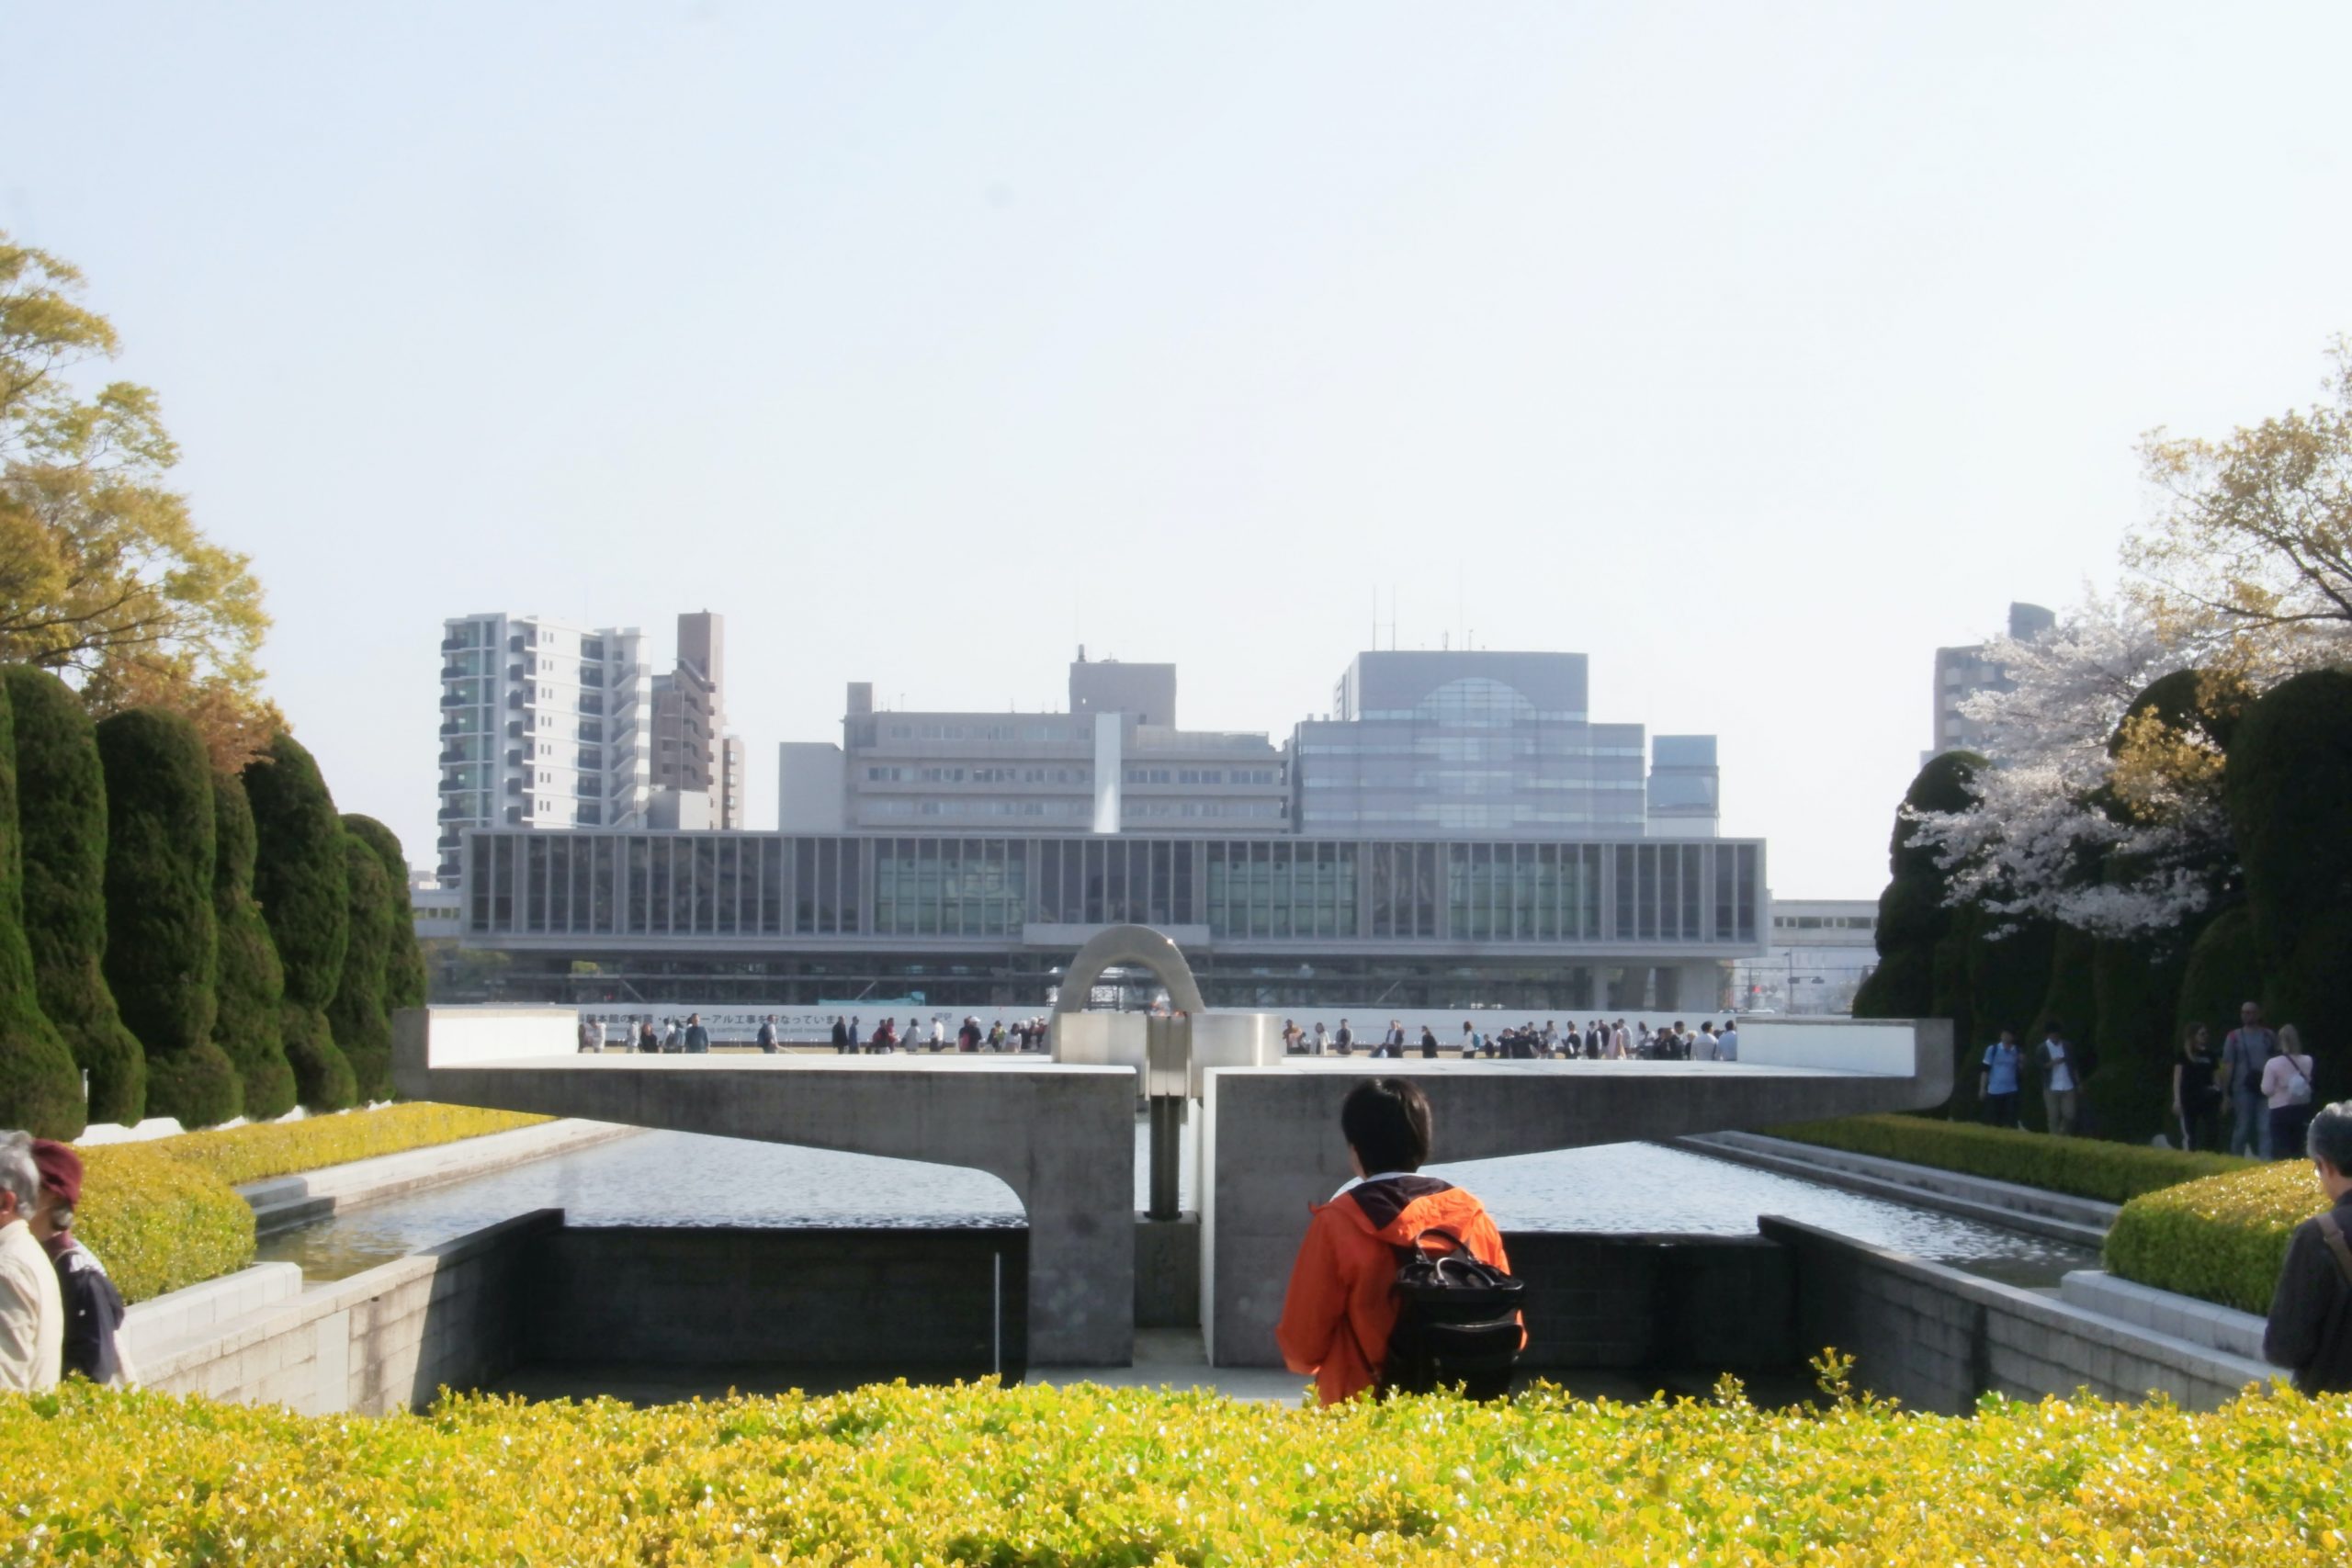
(1167, 1142)
(1168, 1051)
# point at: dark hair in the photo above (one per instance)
(1386, 1121)
(2330, 1137)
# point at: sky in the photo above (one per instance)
(1755, 350)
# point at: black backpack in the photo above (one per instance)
(1458, 1322)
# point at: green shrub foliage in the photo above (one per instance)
(2085, 1168)
(2135, 986)
(2290, 812)
(62, 807)
(357, 1014)
(161, 940)
(1911, 979)
(158, 1223)
(300, 878)
(2223, 1238)
(40, 1089)
(248, 1025)
(2223, 972)
(404, 979)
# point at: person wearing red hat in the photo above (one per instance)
(93, 1306)
(32, 1315)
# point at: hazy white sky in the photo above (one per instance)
(1754, 349)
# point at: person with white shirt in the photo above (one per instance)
(1321, 1040)
(2287, 1090)
(2059, 1086)
(1727, 1041)
(32, 1310)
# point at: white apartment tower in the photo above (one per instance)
(544, 724)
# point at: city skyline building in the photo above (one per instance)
(1961, 672)
(1422, 744)
(693, 753)
(543, 726)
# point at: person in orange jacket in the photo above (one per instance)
(1339, 1310)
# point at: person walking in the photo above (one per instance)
(1998, 1088)
(32, 1312)
(2055, 1060)
(2196, 1095)
(938, 1033)
(1429, 1044)
(1727, 1041)
(841, 1035)
(591, 1036)
(1344, 1041)
(2311, 1312)
(648, 1043)
(765, 1039)
(1393, 1044)
(695, 1040)
(1321, 1040)
(2287, 1090)
(2246, 1051)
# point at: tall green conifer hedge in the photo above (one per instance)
(303, 882)
(161, 941)
(361, 1025)
(40, 1089)
(404, 978)
(62, 808)
(249, 1026)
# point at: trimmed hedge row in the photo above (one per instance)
(159, 1224)
(2223, 1239)
(255, 1152)
(2114, 1173)
(1090, 1475)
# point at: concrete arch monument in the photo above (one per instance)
(1118, 946)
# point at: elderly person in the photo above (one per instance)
(32, 1314)
(93, 1307)
(2311, 1312)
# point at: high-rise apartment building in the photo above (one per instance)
(543, 725)
(693, 753)
(1115, 762)
(1478, 743)
(1960, 673)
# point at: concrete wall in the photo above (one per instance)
(898, 1301)
(1938, 1339)
(1271, 1144)
(381, 1340)
(1655, 1301)
(1061, 1137)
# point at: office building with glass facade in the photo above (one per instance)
(1615, 924)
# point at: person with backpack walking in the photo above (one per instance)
(2246, 1051)
(1999, 1080)
(766, 1038)
(1365, 1269)
(2311, 1312)
(2061, 1086)
(2287, 1087)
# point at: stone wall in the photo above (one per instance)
(1621, 1302)
(933, 1303)
(386, 1339)
(1938, 1339)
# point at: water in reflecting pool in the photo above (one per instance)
(683, 1178)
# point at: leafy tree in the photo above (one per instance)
(61, 806)
(404, 979)
(161, 940)
(249, 1026)
(2256, 528)
(103, 574)
(303, 882)
(362, 1028)
(41, 1090)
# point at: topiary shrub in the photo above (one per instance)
(249, 1024)
(2223, 1239)
(2291, 816)
(2224, 972)
(2134, 986)
(161, 940)
(356, 1013)
(301, 881)
(61, 809)
(159, 1224)
(1911, 979)
(2085, 1168)
(257, 1152)
(40, 1089)
(404, 979)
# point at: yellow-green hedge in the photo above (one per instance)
(157, 1224)
(2223, 1239)
(238, 1155)
(2085, 1168)
(1098, 1476)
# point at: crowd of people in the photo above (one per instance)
(58, 1311)
(1597, 1039)
(971, 1035)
